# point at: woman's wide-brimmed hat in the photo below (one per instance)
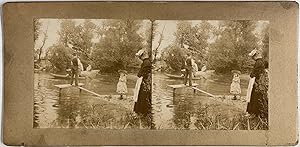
(122, 71)
(236, 71)
(256, 53)
(253, 52)
(140, 52)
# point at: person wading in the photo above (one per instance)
(188, 70)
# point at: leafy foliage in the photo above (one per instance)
(189, 38)
(67, 29)
(194, 38)
(60, 57)
(111, 45)
(118, 44)
(78, 38)
(231, 48)
(36, 28)
(265, 42)
(174, 58)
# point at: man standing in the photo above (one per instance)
(188, 69)
(74, 69)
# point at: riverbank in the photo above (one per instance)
(99, 113)
(184, 111)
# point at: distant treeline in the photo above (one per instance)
(115, 48)
(221, 47)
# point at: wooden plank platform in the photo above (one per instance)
(182, 86)
(60, 86)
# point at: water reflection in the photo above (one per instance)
(183, 111)
(82, 110)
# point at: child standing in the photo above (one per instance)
(121, 86)
(235, 87)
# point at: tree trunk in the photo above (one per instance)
(44, 40)
(151, 38)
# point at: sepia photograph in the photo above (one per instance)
(148, 73)
(85, 73)
(151, 74)
(211, 74)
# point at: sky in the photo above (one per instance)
(168, 25)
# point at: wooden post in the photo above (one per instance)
(248, 124)
(80, 90)
(174, 92)
(59, 92)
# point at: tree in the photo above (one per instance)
(40, 50)
(67, 29)
(36, 28)
(189, 38)
(155, 51)
(60, 57)
(149, 35)
(174, 57)
(117, 45)
(183, 33)
(81, 39)
(194, 38)
(78, 38)
(230, 50)
(265, 42)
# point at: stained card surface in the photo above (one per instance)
(143, 73)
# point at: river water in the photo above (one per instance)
(180, 112)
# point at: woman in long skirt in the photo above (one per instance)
(258, 104)
(143, 106)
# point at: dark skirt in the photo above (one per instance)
(143, 104)
(253, 105)
(143, 107)
(258, 104)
